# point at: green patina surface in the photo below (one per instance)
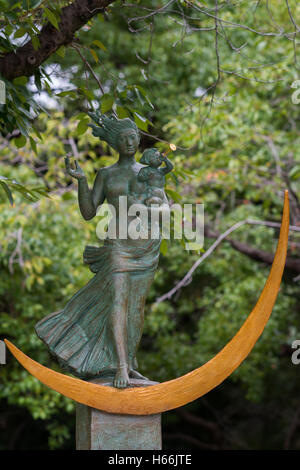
(98, 331)
(98, 430)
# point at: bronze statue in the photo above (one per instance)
(153, 176)
(98, 332)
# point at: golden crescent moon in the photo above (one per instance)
(178, 392)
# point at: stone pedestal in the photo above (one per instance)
(98, 430)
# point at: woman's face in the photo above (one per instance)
(128, 142)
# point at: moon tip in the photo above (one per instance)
(7, 343)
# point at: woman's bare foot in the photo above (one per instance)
(136, 375)
(121, 379)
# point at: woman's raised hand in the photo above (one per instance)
(78, 173)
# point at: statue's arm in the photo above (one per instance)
(168, 168)
(88, 200)
(143, 174)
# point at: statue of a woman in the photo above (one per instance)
(98, 332)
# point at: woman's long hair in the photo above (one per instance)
(109, 128)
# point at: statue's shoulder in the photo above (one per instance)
(143, 170)
(106, 170)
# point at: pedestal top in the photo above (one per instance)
(108, 381)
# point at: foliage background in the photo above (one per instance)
(227, 105)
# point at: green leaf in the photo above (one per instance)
(35, 41)
(8, 30)
(107, 102)
(22, 125)
(37, 133)
(140, 91)
(80, 117)
(36, 3)
(174, 195)
(82, 127)
(122, 112)
(88, 93)
(99, 44)
(8, 192)
(71, 93)
(51, 17)
(138, 94)
(140, 121)
(43, 191)
(20, 141)
(94, 54)
(61, 51)
(37, 80)
(173, 176)
(33, 145)
(20, 33)
(295, 173)
(20, 80)
(26, 112)
(164, 247)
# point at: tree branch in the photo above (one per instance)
(26, 60)
(259, 255)
(293, 264)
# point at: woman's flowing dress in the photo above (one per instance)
(80, 336)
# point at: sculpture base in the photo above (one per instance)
(98, 430)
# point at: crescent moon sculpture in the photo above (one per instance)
(178, 392)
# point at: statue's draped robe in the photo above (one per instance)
(80, 336)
